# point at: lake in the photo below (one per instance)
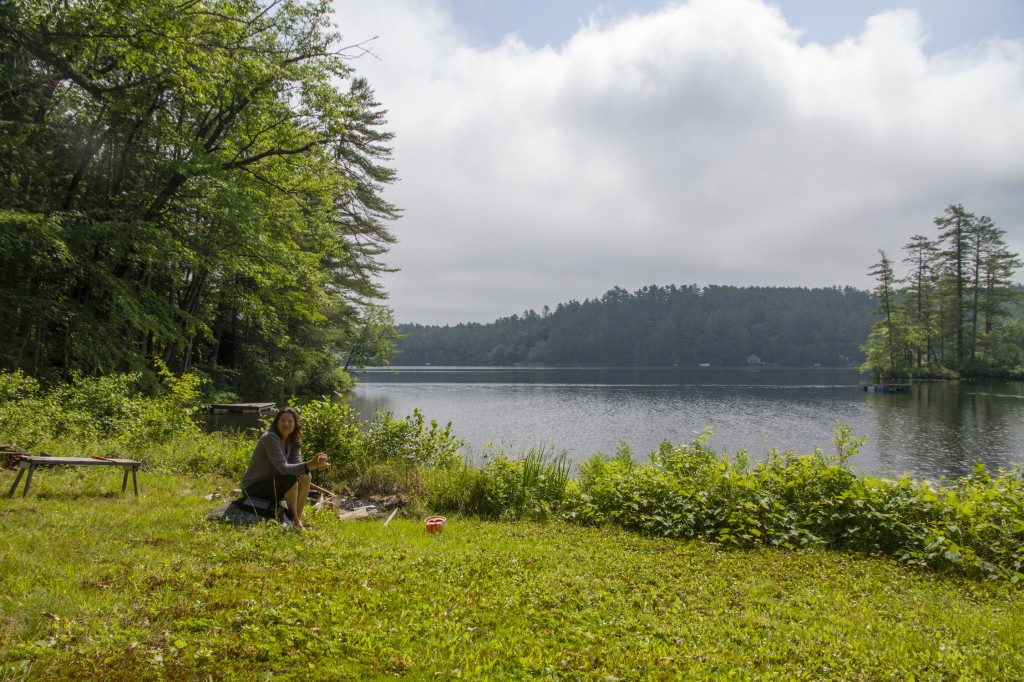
(939, 429)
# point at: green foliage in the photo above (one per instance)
(687, 491)
(372, 341)
(223, 214)
(953, 315)
(16, 386)
(102, 408)
(331, 426)
(386, 450)
(410, 440)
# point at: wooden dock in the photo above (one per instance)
(886, 388)
(239, 408)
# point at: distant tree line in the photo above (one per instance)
(661, 326)
(195, 184)
(956, 311)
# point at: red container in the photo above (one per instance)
(435, 524)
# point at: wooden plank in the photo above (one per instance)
(354, 515)
(241, 407)
(35, 461)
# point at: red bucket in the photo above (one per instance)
(435, 524)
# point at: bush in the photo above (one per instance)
(97, 408)
(387, 450)
(332, 427)
(974, 525)
(411, 440)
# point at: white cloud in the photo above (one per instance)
(699, 144)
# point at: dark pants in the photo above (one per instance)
(271, 488)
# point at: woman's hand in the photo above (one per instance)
(318, 461)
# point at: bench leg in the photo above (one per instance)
(135, 480)
(17, 479)
(28, 479)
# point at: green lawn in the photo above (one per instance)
(96, 585)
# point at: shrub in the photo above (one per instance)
(331, 426)
(386, 456)
(973, 525)
(97, 408)
(411, 440)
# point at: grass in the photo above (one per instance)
(96, 585)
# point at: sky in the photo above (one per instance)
(550, 150)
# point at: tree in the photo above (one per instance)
(371, 342)
(185, 181)
(920, 295)
(886, 343)
(954, 235)
(959, 294)
(662, 326)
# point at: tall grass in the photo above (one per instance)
(531, 486)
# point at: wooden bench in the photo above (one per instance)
(31, 463)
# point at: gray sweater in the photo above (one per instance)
(269, 458)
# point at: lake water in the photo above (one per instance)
(939, 429)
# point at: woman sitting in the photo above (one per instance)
(276, 471)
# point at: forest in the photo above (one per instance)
(662, 326)
(190, 185)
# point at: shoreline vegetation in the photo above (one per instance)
(684, 563)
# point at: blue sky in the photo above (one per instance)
(946, 23)
(549, 151)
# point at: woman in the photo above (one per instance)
(276, 471)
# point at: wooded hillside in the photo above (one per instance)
(660, 326)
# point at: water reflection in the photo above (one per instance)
(949, 427)
(938, 430)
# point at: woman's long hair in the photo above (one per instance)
(296, 435)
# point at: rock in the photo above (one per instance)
(232, 513)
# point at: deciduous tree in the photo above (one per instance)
(189, 181)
